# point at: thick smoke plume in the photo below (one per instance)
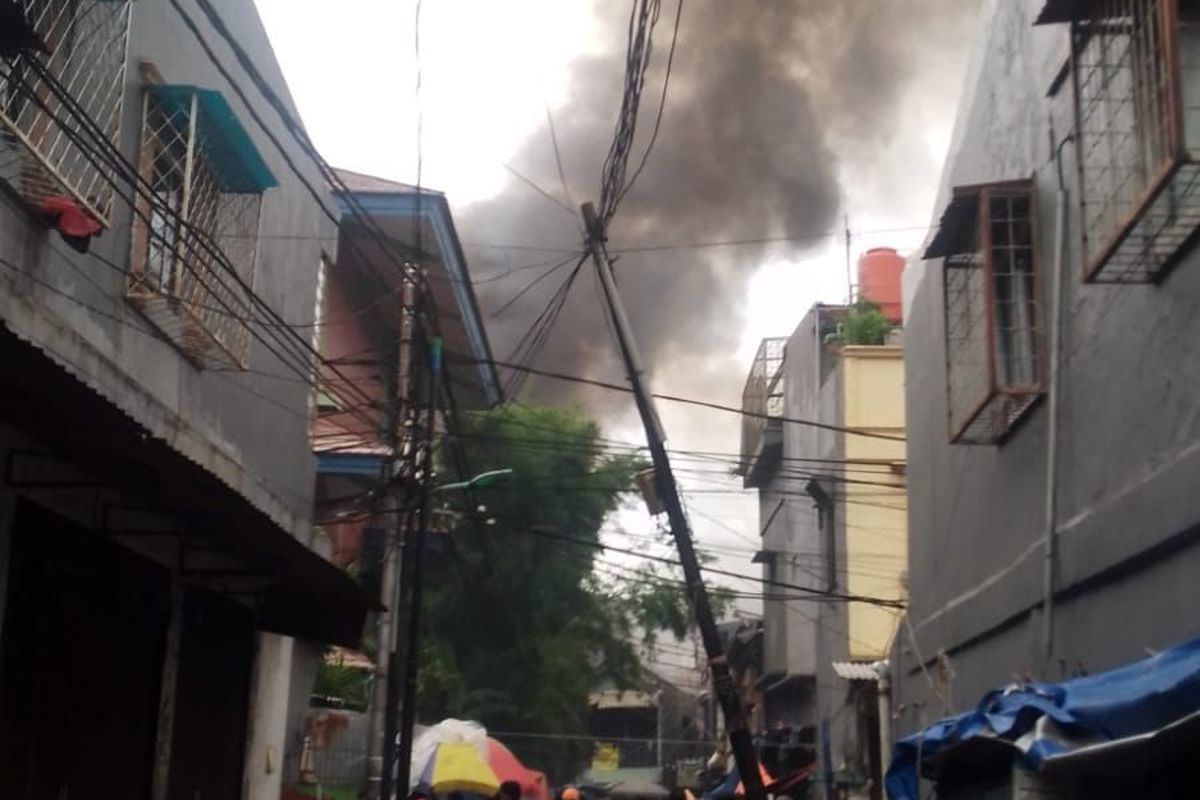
(768, 101)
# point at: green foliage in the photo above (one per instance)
(520, 627)
(349, 685)
(865, 324)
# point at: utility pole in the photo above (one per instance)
(415, 553)
(668, 492)
(849, 264)
(386, 688)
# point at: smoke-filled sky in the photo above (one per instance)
(781, 117)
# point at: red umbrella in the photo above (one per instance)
(763, 775)
(508, 768)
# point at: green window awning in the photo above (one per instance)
(228, 150)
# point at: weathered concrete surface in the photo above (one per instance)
(1129, 435)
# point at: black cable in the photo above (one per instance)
(116, 161)
(808, 591)
(529, 286)
(642, 19)
(562, 175)
(532, 185)
(299, 134)
(701, 403)
(662, 103)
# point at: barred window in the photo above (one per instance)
(993, 348)
(1136, 81)
(195, 231)
(60, 93)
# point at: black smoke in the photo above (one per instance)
(767, 100)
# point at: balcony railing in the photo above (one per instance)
(762, 401)
(59, 95)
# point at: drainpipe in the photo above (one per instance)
(883, 695)
(1052, 390)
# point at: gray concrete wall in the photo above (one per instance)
(249, 428)
(1129, 434)
(802, 637)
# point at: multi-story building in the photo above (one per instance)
(1051, 376)
(367, 338)
(824, 446)
(158, 268)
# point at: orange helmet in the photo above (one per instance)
(570, 793)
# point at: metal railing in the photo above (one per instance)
(83, 51)
(762, 398)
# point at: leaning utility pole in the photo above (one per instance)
(668, 492)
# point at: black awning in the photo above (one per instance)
(956, 229)
(1061, 11)
(300, 593)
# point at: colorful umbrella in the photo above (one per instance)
(508, 768)
(458, 767)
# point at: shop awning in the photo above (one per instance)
(1054, 725)
(297, 592)
(1061, 11)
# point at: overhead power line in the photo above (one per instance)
(616, 387)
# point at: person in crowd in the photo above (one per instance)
(509, 790)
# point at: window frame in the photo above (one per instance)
(966, 230)
(204, 312)
(1113, 251)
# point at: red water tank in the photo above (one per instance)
(879, 271)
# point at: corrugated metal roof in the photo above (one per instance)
(370, 184)
(343, 656)
(855, 671)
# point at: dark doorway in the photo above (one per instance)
(80, 667)
(212, 697)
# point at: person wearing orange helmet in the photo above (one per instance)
(571, 793)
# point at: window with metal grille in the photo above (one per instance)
(195, 231)
(1136, 81)
(59, 92)
(989, 281)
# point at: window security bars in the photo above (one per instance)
(195, 238)
(993, 350)
(1136, 78)
(47, 94)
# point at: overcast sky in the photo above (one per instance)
(490, 71)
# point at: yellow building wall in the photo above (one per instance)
(875, 517)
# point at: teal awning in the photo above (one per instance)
(228, 150)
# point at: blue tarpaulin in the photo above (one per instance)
(1132, 700)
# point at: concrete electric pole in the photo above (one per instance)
(668, 492)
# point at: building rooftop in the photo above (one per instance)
(370, 184)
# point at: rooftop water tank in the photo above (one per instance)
(879, 271)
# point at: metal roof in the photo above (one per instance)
(855, 671)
